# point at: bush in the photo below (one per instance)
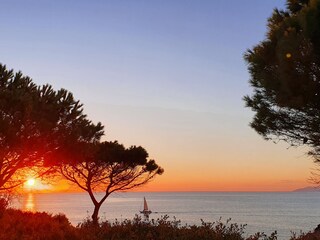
(162, 229)
(18, 225)
(306, 236)
(4, 203)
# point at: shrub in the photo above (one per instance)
(16, 224)
(306, 236)
(162, 229)
(4, 203)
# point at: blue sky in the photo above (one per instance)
(176, 54)
(167, 75)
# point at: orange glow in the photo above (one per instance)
(276, 174)
(232, 181)
(281, 173)
(258, 166)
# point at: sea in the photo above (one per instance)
(284, 212)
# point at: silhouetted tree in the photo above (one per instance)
(36, 122)
(285, 76)
(109, 167)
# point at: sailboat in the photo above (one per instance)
(145, 210)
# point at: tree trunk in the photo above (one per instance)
(95, 214)
(97, 205)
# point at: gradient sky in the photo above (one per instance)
(167, 75)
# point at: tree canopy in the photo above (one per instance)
(35, 123)
(109, 167)
(46, 130)
(285, 76)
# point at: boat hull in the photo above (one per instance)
(146, 212)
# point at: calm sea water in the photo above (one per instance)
(263, 212)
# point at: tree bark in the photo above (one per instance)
(95, 214)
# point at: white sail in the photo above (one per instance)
(145, 210)
(145, 205)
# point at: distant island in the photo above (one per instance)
(307, 189)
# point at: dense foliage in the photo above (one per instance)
(285, 76)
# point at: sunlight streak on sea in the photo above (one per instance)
(29, 203)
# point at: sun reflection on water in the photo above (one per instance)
(29, 203)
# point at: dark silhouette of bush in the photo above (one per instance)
(163, 228)
(4, 203)
(15, 224)
(306, 236)
(19, 225)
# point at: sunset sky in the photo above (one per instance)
(166, 75)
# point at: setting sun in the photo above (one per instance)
(31, 182)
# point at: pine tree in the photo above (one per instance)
(35, 123)
(285, 76)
